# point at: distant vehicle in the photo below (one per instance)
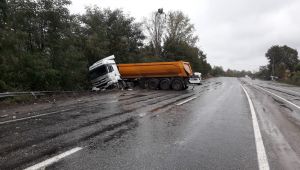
(274, 78)
(176, 75)
(250, 77)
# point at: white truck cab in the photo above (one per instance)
(104, 73)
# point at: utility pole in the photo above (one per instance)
(273, 72)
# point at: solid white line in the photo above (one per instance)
(280, 97)
(181, 103)
(44, 164)
(30, 117)
(263, 163)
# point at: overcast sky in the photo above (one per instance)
(233, 33)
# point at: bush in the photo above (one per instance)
(295, 79)
(3, 86)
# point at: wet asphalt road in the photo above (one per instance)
(209, 127)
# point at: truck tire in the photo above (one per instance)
(165, 84)
(153, 83)
(177, 84)
(142, 84)
(185, 87)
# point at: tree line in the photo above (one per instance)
(283, 64)
(44, 47)
(218, 71)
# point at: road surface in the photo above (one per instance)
(210, 127)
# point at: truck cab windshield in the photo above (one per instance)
(100, 71)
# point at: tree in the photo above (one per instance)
(3, 13)
(125, 37)
(180, 29)
(111, 32)
(263, 73)
(155, 27)
(40, 47)
(297, 68)
(94, 33)
(180, 42)
(290, 57)
(204, 67)
(217, 71)
(237, 73)
(282, 58)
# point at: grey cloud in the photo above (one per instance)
(238, 33)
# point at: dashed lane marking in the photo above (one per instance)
(30, 117)
(44, 164)
(280, 97)
(263, 163)
(187, 100)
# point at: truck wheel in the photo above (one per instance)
(165, 84)
(185, 87)
(153, 83)
(177, 84)
(142, 84)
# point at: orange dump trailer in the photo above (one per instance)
(162, 75)
(155, 69)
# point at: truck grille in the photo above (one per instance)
(100, 81)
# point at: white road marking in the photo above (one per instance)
(263, 163)
(30, 117)
(280, 97)
(181, 103)
(44, 164)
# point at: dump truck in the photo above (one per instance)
(176, 75)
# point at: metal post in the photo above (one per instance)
(273, 69)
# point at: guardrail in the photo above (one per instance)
(32, 93)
